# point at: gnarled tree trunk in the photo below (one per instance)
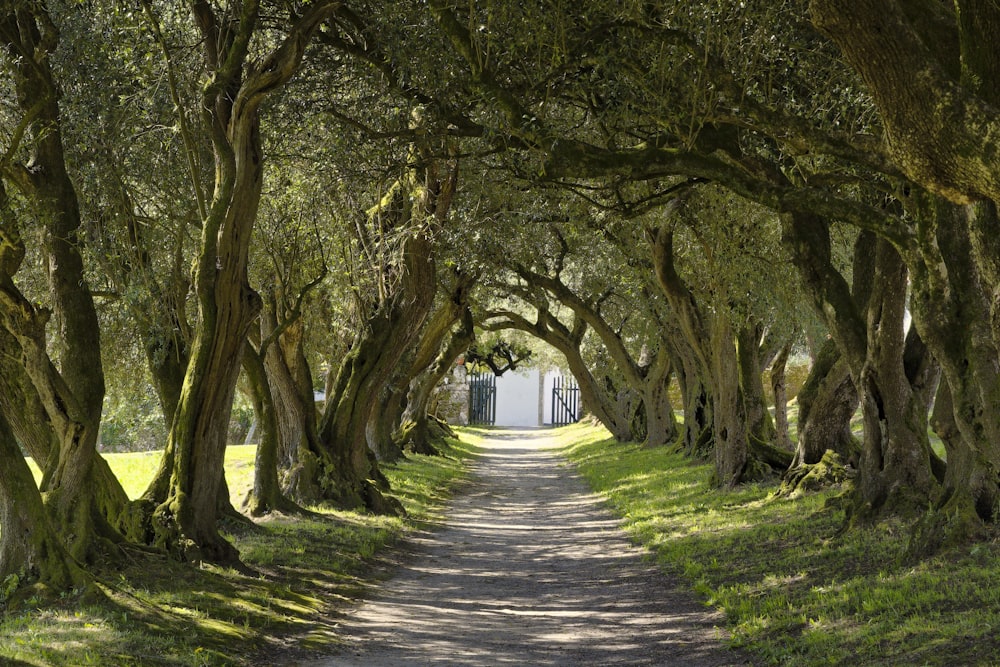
(29, 546)
(827, 402)
(185, 522)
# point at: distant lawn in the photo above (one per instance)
(302, 570)
(135, 469)
(794, 591)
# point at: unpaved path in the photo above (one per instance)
(530, 569)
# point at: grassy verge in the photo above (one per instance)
(282, 608)
(794, 590)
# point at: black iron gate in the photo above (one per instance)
(482, 398)
(565, 400)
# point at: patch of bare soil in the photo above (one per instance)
(529, 569)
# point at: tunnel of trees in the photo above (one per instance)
(208, 197)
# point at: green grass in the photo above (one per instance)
(284, 606)
(794, 589)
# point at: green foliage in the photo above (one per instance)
(795, 590)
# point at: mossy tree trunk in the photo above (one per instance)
(419, 437)
(185, 522)
(952, 309)
(931, 76)
(894, 474)
(82, 503)
(827, 402)
(895, 465)
(421, 397)
(433, 361)
(30, 548)
(363, 374)
(715, 363)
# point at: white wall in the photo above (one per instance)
(517, 399)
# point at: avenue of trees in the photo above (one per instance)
(208, 198)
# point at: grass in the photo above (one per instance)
(795, 590)
(300, 572)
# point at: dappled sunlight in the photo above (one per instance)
(529, 569)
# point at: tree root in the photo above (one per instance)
(830, 471)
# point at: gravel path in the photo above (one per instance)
(529, 569)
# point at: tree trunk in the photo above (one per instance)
(827, 402)
(29, 546)
(894, 468)
(185, 523)
(661, 424)
(386, 419)
(419, 437)
(699, 419)
(290, 380)
(732, 446)
(363, 374)
(760, 426)
(936, 102)
(415, 430)
(715, 362)
(265, 496)
(779, 390)
(952, 310)
(73, 394)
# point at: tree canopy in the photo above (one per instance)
(342, 196)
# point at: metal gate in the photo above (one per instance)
(482, 398)
(565, 400)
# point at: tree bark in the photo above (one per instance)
(265, 496)
(895, 463)
(827, 402)
(934, 93)
(715, 365)
(760, 426)
(29, 545)
(185, 522)
(779, 389)
(732, 446)
(894, 468)
(432, 361)
(72, 394)
(952, 309)
(415, 432)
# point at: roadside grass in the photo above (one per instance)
(300, 571)
(795, 589)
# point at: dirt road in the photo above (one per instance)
(530, 569)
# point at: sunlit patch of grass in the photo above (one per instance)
(299, 571)
(797, 591)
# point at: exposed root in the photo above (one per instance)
(830, 471)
